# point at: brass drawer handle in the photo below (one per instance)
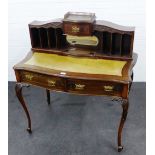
(29, 76)
(79, 86)
(51, 83)
(75, 29)
(108, 88)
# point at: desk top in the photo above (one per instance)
(75, 67)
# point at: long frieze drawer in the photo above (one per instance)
(94, 87)
(43, 80)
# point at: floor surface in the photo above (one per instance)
(75, 125)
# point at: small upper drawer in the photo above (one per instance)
(78, 29)
(78, 23)
(43, 80)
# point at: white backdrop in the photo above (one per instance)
(123, 12)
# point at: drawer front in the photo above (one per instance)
(95, 87)
(79, 29)
(47, 81)
(79, 86)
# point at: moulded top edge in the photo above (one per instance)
(79, 17)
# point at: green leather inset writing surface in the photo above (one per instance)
(78, 65)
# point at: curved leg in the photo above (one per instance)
(125, 105)
(48, 96)
(18, 89)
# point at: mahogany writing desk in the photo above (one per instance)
(81, 56)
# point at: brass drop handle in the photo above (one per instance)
(51, 83)
(75, 29)
(29, 76)
(108, 88)
(79, 86)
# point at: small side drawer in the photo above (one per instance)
(47, 81)
(94, 87)
(79, 29)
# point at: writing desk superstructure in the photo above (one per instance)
(85, 57)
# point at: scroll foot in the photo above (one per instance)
(29, 130)
(18, 89)
(120, 148)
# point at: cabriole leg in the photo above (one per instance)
(18, 89)
(125, 105)
(48, 96)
